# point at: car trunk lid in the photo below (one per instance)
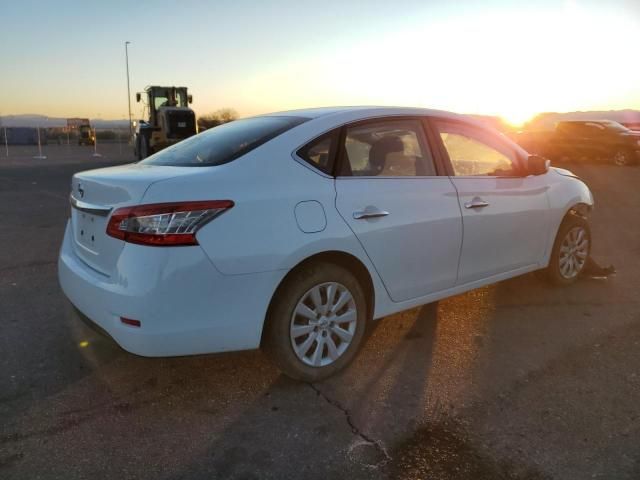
(95, 194)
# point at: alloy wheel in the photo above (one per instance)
(323, 324)
(574, 251)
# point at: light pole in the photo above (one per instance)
(126, 56)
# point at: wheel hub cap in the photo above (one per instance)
(323, 324)
(574, 251)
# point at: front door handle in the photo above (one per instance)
(476, 203)
(370, 212)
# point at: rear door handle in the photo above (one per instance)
(476, 203)
(370, 212)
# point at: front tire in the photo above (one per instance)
(317, 322)
(571, 251)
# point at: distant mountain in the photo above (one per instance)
(34, 120)
(542, 121)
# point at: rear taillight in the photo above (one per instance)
(164, 224)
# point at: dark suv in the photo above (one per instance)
(600, 139)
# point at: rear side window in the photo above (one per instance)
(387, 148)
(321, 152)
(224, 143)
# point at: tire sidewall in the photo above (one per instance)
(277, 329)
(553, 270)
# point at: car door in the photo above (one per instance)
(405, 216)
(505, 212)
(594, 140)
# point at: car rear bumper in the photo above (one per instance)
(185, 306)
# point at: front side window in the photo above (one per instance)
(474, 152)
(592, 129)
(390, 148)
(224, 143)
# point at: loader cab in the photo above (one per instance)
(170, 119)
(86, 135)
(159, 97)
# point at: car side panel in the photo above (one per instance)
(416, 247)
(261, 232)
(266, 210)
(510, 232)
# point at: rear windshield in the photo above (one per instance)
(224, 143)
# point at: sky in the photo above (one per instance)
(507, 58)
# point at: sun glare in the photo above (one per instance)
(508, 60)
(516, 118)
(502, 64)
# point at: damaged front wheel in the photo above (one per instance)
(571, 251)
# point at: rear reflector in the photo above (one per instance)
(164, 224)
(129, 321)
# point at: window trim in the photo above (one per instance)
(341, 153)
(444, 154)
(335, 133)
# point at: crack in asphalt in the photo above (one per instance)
(354, 428)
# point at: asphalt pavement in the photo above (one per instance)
(518, 380)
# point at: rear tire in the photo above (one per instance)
(571, 251)
(316, 323)
(623, 158)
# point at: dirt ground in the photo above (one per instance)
(518, 380)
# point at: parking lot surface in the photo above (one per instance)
(516, 380)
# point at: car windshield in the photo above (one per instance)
(224, 143)
(611, 125)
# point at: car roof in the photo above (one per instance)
(334, 116)
(365, 111)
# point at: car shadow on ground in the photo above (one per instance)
(240, 413)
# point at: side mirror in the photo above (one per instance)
(537, 165)
(138, 97)
(190, 98)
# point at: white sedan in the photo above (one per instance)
(293, 231)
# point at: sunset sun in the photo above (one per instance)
(517, 118)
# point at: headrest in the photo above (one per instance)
(380, 149)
